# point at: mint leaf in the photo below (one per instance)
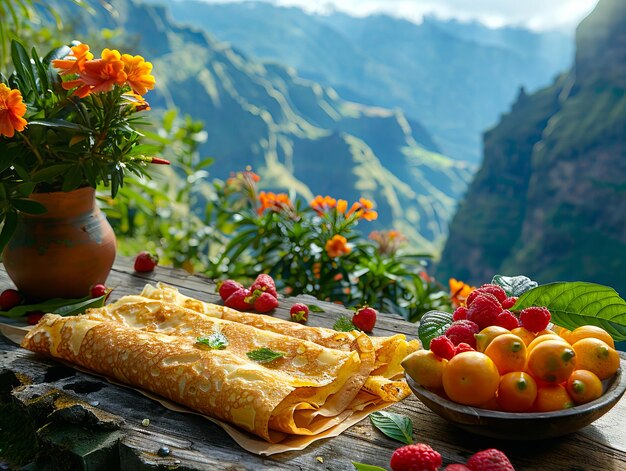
(315, 308)
(573, 304)
(514, 285)
(344, 324)
(433, 324)
(264, 355)
(367, 467)
(396, 426)
(216, 341)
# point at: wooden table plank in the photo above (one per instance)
(195, 443)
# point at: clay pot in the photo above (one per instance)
(63, 252)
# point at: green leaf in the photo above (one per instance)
(396, 426)
(573, 304)
(29, 206)
(61, 306)
(315, 308)
(433, 324)
(264, 355)
(367, 467)
(10, 223)
(344, 324)
(80, 307)
(514, 285)
(60, 124)
(216, 341)
(50, 172)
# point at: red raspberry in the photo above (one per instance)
(419, 457)
(265, 283)
(33, 317)
(299, 313)
(496, 290)
(228, 287)
(145, 262)
(507, 320)
(457, 467)
(463, 347)
(9, 299)
(365, 319)
(462, 331)
(508, 303)
(460, 313)
(265, 302)
(535, 318)
(471, 297)
(237, 300)
(484, 310)
(489, 460)
(442, 346)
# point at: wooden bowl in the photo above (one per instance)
(526, 425)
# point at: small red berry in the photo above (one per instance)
(496, 290)
(299, 312)
(145, 262)
(507, 320)
(460, 313)
(535, 318)
(484, 310)
(228, 287)
(9, 299)
(462, 331)
(237, 300)
(365, 319)
(100, 290)
(489, 460)
(419, 457)
(508, 303)
(463, 347)
(442, 346)
(456, 467)
(264, 283)
(33, 317)
(265, 302)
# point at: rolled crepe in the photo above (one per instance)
(269, 400)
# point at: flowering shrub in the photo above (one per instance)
(66, 121)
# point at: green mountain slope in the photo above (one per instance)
(549, 200)
(454, 78)
(297, 134)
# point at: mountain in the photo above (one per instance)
(550, 200)
(297, 134)
(454, 78)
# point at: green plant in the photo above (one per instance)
(67, 121)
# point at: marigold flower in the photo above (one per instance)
(363, 209)
(138, 73)
(459, 291)
(100, 75)
(74, 62)
(273, 201)
(337, 246)
(321, 204)
(11, 111)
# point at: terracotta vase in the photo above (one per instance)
(63, 252)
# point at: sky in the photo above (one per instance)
(533, 14)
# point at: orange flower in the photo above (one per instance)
(459, 291)
(321, 204)
(388, 241)
(337, 246)
(363, 209)
(137, 101)
(100, 75)
(138, 73)
(11, 111)
(273, 201)
(74, 62)
(342, 205)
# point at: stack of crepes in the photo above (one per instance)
(150, 342)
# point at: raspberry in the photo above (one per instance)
(507, 320)
(9, 299)
(228, 287)
(471, 297)
(265, 302)
(457, 467)
(442, 346)
(265, 283)
(460, 313)
(463, 347)
(365, 318)
(489, 460)
(484, 310)
(463, 331)
(145, 262)
(33, 317)
(535, 318)
(508, 303)
(496, 290)
(419, 457)
(299, 313)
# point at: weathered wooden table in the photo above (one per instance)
(79, 421)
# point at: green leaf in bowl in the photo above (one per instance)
(433, 324)
(573, 304)
(514, 285)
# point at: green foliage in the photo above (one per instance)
(396, 426)
(433, 324)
